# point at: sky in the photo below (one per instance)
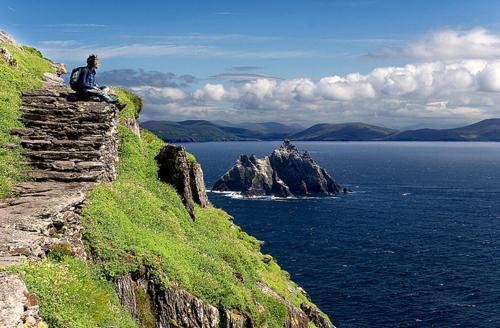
(399, 64)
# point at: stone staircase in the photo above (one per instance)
(70, 145)
(66, 139)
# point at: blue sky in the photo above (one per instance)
(229, 49)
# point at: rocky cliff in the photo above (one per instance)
(185, 174)
(102, 233)
(286, 172)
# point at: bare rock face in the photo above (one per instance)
(60, 68)
(7, 39)
(7, 57)
(18, 307)
(4, 53)
(198, 184)
(133, 125)
(286, 172)
(315, 317)
(187, 177)
(152, 305)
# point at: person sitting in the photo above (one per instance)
(86, 87)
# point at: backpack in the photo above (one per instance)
(74, 80)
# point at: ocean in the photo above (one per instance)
(417, 244)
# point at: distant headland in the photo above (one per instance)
(201, 131)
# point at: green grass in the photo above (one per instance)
(71, 294)
(139, 223)
(27, 75)
(133, 102)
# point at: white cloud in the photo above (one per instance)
(450, 44)
(453, 44)
(210, 92)
(164, 95)
(459, 91)
(489, 77)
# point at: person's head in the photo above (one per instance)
(93, 61)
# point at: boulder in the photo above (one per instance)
(285, 172)
(60, 68)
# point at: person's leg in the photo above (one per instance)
(104, 89)
(102, 95)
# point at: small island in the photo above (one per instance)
(287, 172)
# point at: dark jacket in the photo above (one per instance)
(87, 78)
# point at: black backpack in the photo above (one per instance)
(75, 79)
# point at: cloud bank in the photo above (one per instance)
(456, 80)
(464, 90)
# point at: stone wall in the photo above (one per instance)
(67, 139)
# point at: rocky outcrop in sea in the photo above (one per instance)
(286, 172)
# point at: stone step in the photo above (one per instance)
(34, 134)
(62, 144)
(44, 175)
(69, 166)
(64, 118)
(45, 155)
(69, 107)
(69, 133)
(45, 92)
(66, 125)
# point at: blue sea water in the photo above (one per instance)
(416, 245)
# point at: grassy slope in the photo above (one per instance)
(134, 224)
(28, 75)
(138, 223)
(73, 294)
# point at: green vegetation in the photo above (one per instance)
(133, 102)
(139, 223)
(191, 158)
(72, 294)
(201, 130)
(191, 131)
(27, 74)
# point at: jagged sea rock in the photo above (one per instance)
(286, 172)
(186, 176)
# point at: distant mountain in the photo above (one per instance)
(343, 132)
(201, 130)
(486, 130)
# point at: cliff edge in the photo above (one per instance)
(104, 225)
